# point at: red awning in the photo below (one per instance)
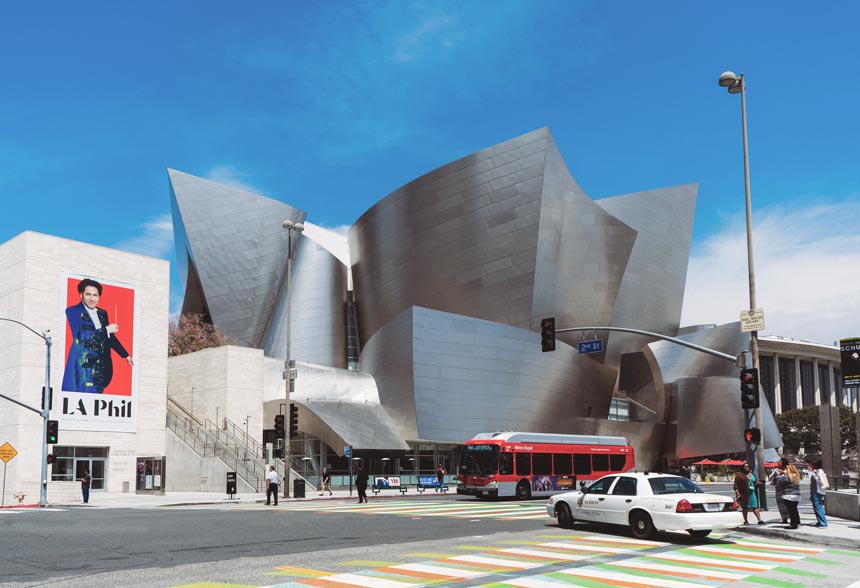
(705, 462)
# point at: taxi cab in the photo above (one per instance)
(647, 503)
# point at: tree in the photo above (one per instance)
(800, 428)
(192, 333)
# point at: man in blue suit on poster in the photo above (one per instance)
(89, 367)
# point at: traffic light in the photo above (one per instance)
(51, 458)
(279, 426)
(294, 420)
(749, 388)
(53, 432)
(752, 436)
(547, 334)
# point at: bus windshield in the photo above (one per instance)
(480, 460)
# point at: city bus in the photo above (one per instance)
(526, 465)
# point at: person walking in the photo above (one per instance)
(326, 482)
(780, 503)
(746, 491)
(440, 477)
(86, 481)
(789, 483)
(817, 490)
(272, 485)
(361, 484)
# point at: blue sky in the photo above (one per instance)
(330, 106)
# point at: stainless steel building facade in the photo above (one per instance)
(450, 277)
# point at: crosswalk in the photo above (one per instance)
(583, 560)
(505, 511)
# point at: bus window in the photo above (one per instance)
(581, 464)
(617, 462)
(600, 463)
(506, 463)
(561, 464)
(524, 464)
(542, 464)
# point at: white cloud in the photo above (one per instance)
(807, 276)
(155, 239)
(225, 174)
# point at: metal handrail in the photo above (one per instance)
(231, 428)
(846, 482)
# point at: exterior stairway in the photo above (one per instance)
(239, 452)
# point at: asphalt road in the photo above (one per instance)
(254, 545)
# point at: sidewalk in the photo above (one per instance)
(119, 500)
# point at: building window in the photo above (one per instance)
(807, 383)
(72, 462)
(787, 384)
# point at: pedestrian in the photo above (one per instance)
(789, 482)
(86, 481)
(817, 490)
(326, 482)
(780, 503)
(272, 485)
(746, 491)
(361, 484)
(440, 477)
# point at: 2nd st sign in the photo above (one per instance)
(593, 346)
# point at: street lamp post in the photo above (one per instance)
(735, 85)
(45, 412)
(288, 372)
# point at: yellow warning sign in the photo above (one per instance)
(7, 452)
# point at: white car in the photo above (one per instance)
(647, 503)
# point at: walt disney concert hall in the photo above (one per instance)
(424, 324)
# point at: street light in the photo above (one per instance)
(46, 409)
(291, 227)
(735, 85)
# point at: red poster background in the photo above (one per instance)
(118, 302)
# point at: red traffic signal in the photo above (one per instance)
(547, 334)
(752, 436)
(749, 388)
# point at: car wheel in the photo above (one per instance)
(565, 518)
(699, 534)
(523, 490)
(641, 525)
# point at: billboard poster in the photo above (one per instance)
(553, 483)
(100, 335)
(850, 352)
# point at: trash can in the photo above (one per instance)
(298, 488)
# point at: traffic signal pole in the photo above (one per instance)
(45, 412)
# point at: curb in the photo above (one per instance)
(791, 535)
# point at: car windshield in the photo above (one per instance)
(673, 485)
(480, 460)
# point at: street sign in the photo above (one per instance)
(7, 452)
(593, 346)
(347, 451)
(752, 320)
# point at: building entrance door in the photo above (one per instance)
(150, 475)
(96, 466)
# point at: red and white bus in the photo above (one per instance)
(537, 464)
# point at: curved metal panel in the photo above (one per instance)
(238, 248)
(652, 291)
(460, 239)
(318, 324)
(471, 376)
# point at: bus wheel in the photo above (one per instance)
(565, 518)
(641, 525)
(523, 490)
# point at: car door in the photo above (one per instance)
(620, 500)
(590, 506)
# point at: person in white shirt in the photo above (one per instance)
(817, 492)
(272, 485)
